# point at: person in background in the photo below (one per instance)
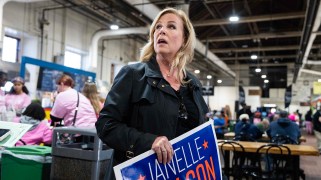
(40, 132)
(90, 91)
(317, 127)
(65, 106)
(219, 124)
(263, 125)
(245, 131)
(308, 122)
(227, 114)
(285, 127)
(3, 80)
(209, 116)
(294, 118)
(156, 100)
(245, 110)
(17, 99)
(257, 118)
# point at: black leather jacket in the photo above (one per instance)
(140, 106)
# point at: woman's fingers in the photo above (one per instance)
(163, 149)
(159, 155)
(169, 151)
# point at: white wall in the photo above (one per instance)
(227, 95)
(66, 30)
(118, 51)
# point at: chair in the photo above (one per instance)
(273, 166)
(240, 164)
(283, 139)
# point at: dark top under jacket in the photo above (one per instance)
(141, 106)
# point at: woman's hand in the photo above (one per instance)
(163, 149)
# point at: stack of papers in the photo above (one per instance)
(17, 131)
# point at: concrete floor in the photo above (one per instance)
(311, 164)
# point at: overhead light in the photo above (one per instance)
(269, 105)
(319, 80)
(219, 81)
(209, 77)
(258, 70)
(266, 81)
(197, 71)
(234, 18)
(263, 76)
(254, 56)
(114, 27)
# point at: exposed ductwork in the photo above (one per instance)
(313, 62)
(150, 10)
(310, 71)
(311, 25)
(2, 3)
(93, 52)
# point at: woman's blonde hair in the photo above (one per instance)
(185, 54)
(90, 91)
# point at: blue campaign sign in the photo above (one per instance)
(195, 157)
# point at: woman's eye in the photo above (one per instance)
(158, 26)
(171, 26)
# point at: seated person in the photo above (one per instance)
(257, 117)
(284, 127)
(245, 131)
(263, 125)
(219, 124)
(40, 132)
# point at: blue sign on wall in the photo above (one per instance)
(195, 157)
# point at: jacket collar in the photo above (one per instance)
(152, 71)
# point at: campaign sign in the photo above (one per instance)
(195, 157)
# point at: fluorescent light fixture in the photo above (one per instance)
(197, 71)
(209, 77)
(219, 81)
(263, 76)
(270, 105)
(234, 18)
(254, 56)
(273, 110)
(266, 81)
(319, 80)
(114, 27)
(258, 70)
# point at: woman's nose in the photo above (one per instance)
(162, 30)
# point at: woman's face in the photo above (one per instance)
(18, 87)
(168, 35)
(60, 87)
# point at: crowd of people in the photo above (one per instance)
(250, 126)
(71, 108)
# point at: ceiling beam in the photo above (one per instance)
(268, 17)
(265, 57)
(257, 36)
(251, 49)
(259, 57)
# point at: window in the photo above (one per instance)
(72, 60)
(10, 49)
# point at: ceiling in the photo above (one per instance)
(285, 35)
